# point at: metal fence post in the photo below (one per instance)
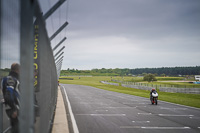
(1, 105)
(26, 117)
(59, 43)
(59, 56)
(1, 117)
(59, 60)
(58, 31)
(57, 5)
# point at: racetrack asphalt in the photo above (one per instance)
(100, 111)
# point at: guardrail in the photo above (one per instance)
(105, 82)
(163, 89)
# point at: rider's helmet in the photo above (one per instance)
(153, 89)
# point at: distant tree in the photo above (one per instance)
(143, 74)
(163, 75)
(163, 71)
(149, 77)
(171, 71)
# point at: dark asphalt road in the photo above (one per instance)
(100, 111)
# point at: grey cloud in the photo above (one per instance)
(143, 33)
(122, 17)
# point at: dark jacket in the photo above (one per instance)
(11, 80)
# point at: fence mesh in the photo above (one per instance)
(44, 70)
(10, 43)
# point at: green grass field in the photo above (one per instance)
(179, 98)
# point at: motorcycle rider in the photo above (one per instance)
(152, 91)
(10, 88)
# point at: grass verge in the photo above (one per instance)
(179, 98)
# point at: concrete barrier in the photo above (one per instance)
(137, 87)
(104, 82)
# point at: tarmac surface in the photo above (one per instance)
(94, 110)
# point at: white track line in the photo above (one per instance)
(144, 113)
(115, 107)
(74, 125)
(173, 115)
(101, 110)
(141, 121)
(165, 127)
(173, 108)
(155, 128)
(102, 114)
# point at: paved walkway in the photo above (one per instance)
(60, 120)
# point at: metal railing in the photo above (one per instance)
(163, 88)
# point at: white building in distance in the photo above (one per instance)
(197, 77)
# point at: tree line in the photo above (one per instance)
(163, 71)
(171, 71)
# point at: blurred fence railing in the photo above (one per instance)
(165, 89)
(144, 86)
(156, 85)
(104, 82)
(24, 39)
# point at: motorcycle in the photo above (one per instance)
(154, 98)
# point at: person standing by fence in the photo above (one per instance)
(10, 89)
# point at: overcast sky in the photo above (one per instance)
(128, 33)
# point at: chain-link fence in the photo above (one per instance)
(10, 48)
(24, 40)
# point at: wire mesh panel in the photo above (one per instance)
(9, 49)
(1, 105)
(22, 42)
(55, 21)
(46, 97)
